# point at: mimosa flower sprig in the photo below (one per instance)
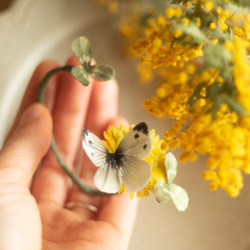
(114, 167)
(82, 50)
(199, 51)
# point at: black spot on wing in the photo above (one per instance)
(145, 146)
(85, 133)
(136, 136)
(141, 127)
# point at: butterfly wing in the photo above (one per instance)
(94, 148)
(136, 173)
(137, 142)
(132, 170)
(107, 179)
(135, 145)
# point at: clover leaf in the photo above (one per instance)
(81, 47)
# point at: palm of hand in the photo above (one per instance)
(36, 217)
(66, 229)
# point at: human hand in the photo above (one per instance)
(33, 216)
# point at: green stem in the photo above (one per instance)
(41, 99)
(43, 84)
(74, 178)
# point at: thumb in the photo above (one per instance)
(24, 150)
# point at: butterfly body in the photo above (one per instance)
(125, 164)
(115, 159)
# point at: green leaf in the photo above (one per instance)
(238, 7)
(213, 90)
(192, 29)
(171, 166)
(234, 105)
(179, 196)
(82, 50)
(179, 1)
(176, 1)
(216, 56)
(197, 93)
(80, 74)
(214, 109)
(101, 72)
(162, 193)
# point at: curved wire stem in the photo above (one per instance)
(41, 99)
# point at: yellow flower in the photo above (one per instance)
(186, 5)
(209, 5)
(113, 137)
(194, 82)
(213, 26)
(169, 12)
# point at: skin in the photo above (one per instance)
(32, 208)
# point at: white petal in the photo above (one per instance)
(162, 192)
(179, 197)
(171, 166)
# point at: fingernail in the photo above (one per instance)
(31, 113)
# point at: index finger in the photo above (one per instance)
(30, 95)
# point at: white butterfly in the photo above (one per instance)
(125, 165)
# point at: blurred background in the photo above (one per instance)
(35, 30)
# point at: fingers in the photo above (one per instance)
(75, 105)
(69, 111)
(103, 106)
(102, 109)
(27, 145)
(102, 112)
(31, 91)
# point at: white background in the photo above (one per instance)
(33, 30)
